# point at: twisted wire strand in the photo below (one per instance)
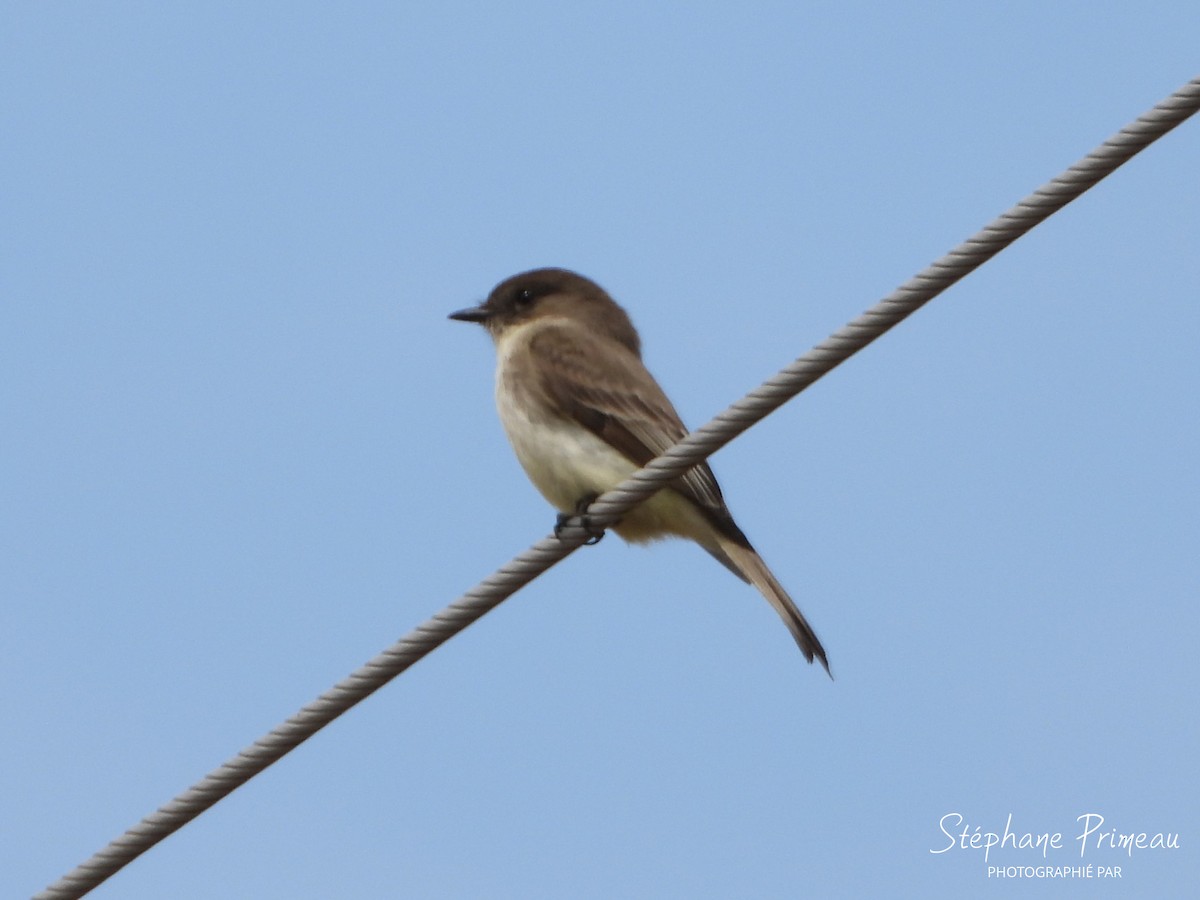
(698, 445)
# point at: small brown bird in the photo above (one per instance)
(583, 413)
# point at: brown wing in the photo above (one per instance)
(608, 390)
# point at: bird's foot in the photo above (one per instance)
(580, 518)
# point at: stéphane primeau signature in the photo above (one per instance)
(1091, 836)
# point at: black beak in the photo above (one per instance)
(478, 314)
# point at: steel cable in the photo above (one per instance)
(698, 445)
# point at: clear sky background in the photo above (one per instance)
(242, 449)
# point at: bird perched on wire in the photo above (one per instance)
(583, 413)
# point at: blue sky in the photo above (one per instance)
(244, 450)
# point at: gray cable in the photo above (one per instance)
(488, 594)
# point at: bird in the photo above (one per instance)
(583, 412)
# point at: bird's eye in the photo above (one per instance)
(524, 297)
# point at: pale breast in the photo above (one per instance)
(564, 460)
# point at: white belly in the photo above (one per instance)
(564, 460)
(568, 463)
